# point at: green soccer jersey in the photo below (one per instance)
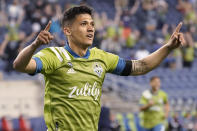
(155, 114)
(73, 87)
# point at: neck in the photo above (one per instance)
(154, 91)
(79, 50)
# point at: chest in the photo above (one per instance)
(79, 71)
(158, 99)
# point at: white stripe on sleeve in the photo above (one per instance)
(65, 53)
(56, 53)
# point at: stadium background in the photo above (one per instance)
(130, 28)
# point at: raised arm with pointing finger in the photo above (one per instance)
(24, 61)
(150, 62)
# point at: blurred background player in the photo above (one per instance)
(154, 107)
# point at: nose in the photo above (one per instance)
(90, 28)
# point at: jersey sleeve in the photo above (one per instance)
(111, 61)
(114, 63)
(46, 61)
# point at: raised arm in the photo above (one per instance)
(24, 61)
(140, 67)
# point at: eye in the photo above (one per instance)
(92, 24)
(83, 24)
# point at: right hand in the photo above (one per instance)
(177, 38)
(151, 103)
(44, 37)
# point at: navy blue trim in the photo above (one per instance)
(86, 56)
(128, 68)
(120, 66)
(39, 65)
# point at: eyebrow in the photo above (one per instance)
(87, 21)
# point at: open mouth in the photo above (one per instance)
(90, 36)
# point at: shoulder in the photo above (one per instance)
(162, 93)
(99, 52)
(147, 94)
(51, 53)
(44, 52)
(96, 50)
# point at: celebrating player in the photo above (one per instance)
(154, 107)
(74, 74)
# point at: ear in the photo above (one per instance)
(67, 31)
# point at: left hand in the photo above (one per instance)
(176, 39)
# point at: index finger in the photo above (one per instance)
(48, 26)
(178, 27)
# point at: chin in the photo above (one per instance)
(88, 43)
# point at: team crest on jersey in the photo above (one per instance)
(71, 70)
(97, 69)
(70, 64)
(161, 101)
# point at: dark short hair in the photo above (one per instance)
(70, 14)
(154, 77)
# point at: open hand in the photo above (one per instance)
(177, 38)
(44, 37)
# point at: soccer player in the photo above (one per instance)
(154, 107)
(74, 74)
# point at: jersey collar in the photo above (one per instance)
(67, 47)
(155, 92)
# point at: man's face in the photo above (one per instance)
(82, 30)
(155, 84)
